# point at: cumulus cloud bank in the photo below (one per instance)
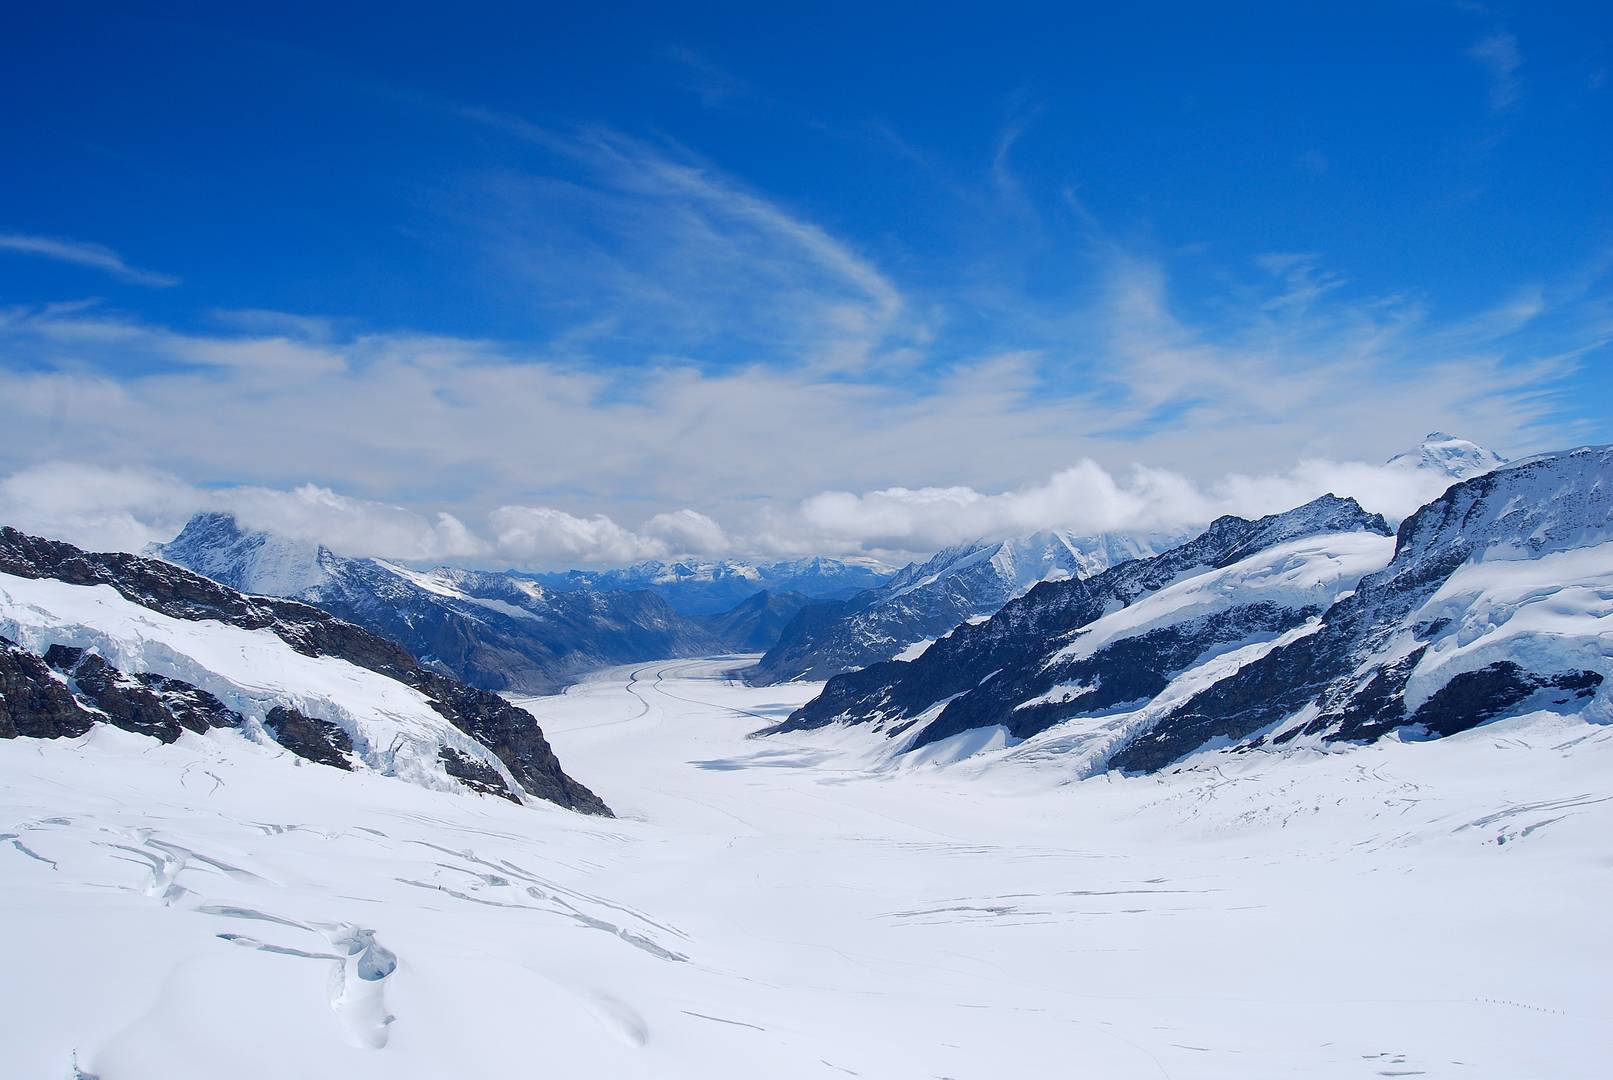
(1087, 498)
(128, 508)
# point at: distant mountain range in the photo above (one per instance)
(494, 631)
(1300, 629)
(925, 600)
(709, 588)
(141, 644)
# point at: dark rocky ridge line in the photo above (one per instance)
(510, 733)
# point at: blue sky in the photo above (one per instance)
(653, 281)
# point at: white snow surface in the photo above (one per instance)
(915, 650)
(1551, 613)
(808, 907)
(393, 727)
(1311, 572)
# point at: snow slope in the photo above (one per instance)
(393, 727)
(788, 908)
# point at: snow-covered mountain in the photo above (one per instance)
(492, 630)
(1450, 456)
(1304, 628)
(708, 588)
(925, 600)
(146, 646)
(901, 618)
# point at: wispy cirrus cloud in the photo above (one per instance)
(81, 253)
(687, 259)
(1499, 55)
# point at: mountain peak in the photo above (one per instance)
(1450, 455)
(263, 563)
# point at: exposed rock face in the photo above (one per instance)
(1474, 697)
(33, 703)
(126, 702)
(476, 775)
(510, 733)
(319, 741)
(68, 689)
(192, 708)
(925, 601)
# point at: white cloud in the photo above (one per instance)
(688, 532)
(1165, 417)
(1498, 54)
(352, 526)
(104, 508)
(543, 535)
(80, 253)
(127, 509)
(683, 257)
(1088, 498)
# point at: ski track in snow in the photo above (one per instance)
(807, 906)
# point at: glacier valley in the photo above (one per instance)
(809, 904)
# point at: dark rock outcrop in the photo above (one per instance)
(310, 738)
(479, 776)
(34, 703)
(126, 702)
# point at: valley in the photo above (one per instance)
(808, 905)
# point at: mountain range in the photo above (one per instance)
(492, 630)
(1306, 628)
(714, 587)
